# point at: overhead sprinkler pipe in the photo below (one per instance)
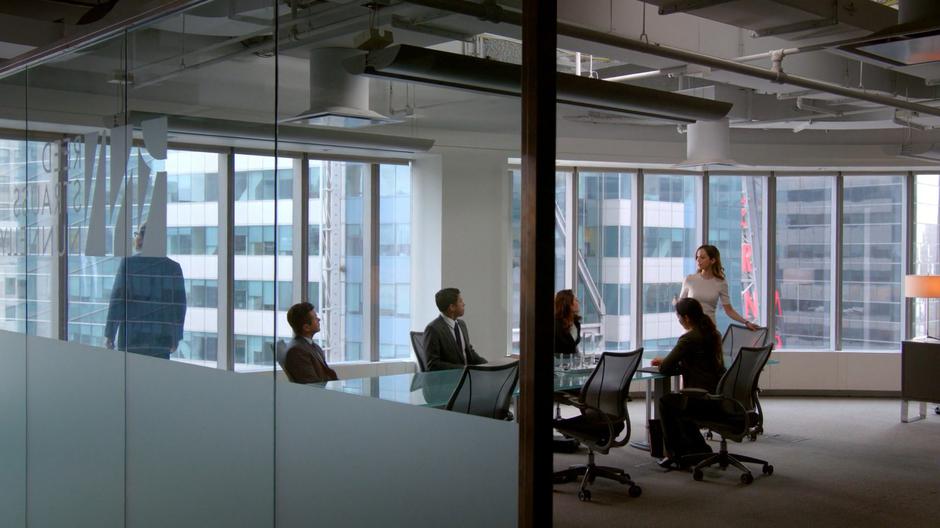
(497, 14)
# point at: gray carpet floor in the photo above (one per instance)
(837, 461)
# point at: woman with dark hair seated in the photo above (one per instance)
(697, 357)
(567, 323)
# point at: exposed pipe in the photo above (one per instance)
(98, 34)
(647, 74)
(497, 14)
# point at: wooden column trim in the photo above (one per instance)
(537, 274)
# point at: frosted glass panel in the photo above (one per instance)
(75, 412)
(200, 446)
(13, 429)
(345, 460)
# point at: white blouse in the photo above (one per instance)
(707, 292)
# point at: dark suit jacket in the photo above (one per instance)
(148, 305)
(441, 346)
(695, 357)
(305, 363)
(564, 343)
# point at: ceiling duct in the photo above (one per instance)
(265, 132)
(914, 40)
(923, 152)
(421, 65)
(337, 99)
(708, 144)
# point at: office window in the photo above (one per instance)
(670, 236)
(736, 228)
(336, 273)
(561, 189)
(926, 247)
(871, 262)
(605, 234)
(803, 295)
(262, 202)
(394, 261)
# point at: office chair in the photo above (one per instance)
(485, 390)
(417, 344)
(737, 416)
(602, 402)
(737, 336)
(280, 352)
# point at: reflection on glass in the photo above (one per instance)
(13, 156)
(871, 262)
(736, 227)
(804, 259)
(670, 236)
(927, 246)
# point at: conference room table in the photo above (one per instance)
(433, 389)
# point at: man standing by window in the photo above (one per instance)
(148, 304)
(446, 339)
(304, 361)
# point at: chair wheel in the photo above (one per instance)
(697, 474)
(768, 469)
(753, 436)
(635, 491)
(584, 495)
(746, 478)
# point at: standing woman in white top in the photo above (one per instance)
(708, 285)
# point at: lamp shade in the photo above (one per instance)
(922, 286)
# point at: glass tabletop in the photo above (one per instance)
(434, 388)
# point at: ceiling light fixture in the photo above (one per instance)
(426, 66)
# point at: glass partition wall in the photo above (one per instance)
(159, 201)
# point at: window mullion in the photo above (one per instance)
(300, 230)
(908, 238)
(226, 283)
(636, 268)
(571, 225)
(769, 255)
(836, 276)
(370, 258)
(702, 191)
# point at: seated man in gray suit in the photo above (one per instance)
(446, 340)
(304, 361)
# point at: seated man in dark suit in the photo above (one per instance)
(304, 361)
(148, 304)
(446, 340)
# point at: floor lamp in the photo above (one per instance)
(923, 287)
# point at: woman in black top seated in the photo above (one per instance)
(567, 323)
(698, 358)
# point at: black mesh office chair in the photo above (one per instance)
(737, 336)
(485, 390)
(737, 415)
(603, 405)
(417, 344)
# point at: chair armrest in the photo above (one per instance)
(738, 406)
(609, 423)
(565, 399)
